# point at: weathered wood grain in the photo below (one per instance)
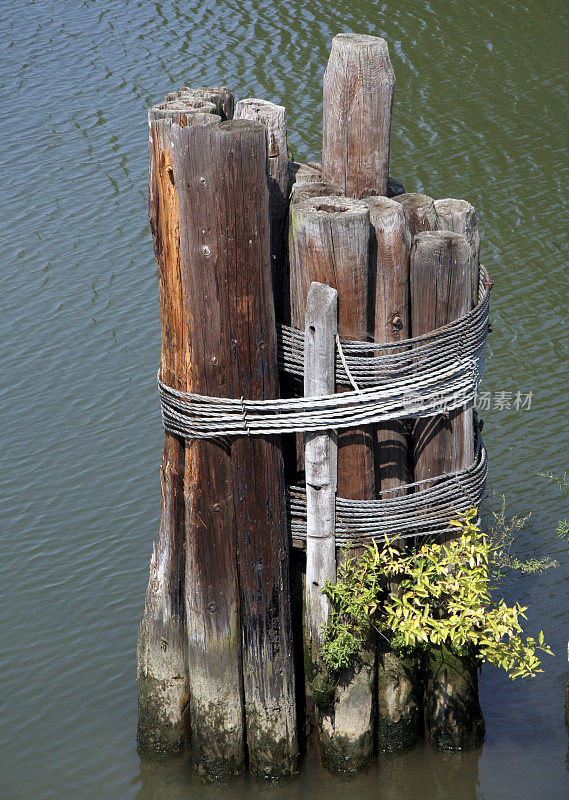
(358, 98)
(419, 212)
(221, 177)
(211, 596)
(441, 291)
(221, 97)
(390, 247)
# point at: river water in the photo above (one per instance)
(481, 111)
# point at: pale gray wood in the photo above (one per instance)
(358, 98)
(419, 212)
(274, 118)
(186, 105)
(221, 97)
(320, 451)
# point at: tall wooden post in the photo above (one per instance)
(161, 654)
(221, 179)
(331, 244)
(358, 99)
(273, 117)
(211, 597)
(442, 270)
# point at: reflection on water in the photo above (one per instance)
(481, 111)
(414, 775)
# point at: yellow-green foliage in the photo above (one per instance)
(436, 595)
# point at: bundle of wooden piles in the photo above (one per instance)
(221, 638)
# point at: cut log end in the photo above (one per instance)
(419, 212)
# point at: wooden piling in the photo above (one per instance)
(273, 117)
(214, 646)
(358, 99)
(161, 653)
(459, 216)
(442, 269)
(221, 97)
(221, 178)
(330, 239)
(398, 684)
(419, 212)
(389, 264)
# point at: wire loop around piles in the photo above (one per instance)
(422, 508)
(420, 377)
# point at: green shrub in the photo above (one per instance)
(437, 595)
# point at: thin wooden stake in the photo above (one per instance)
(358, 98)
(321, 454)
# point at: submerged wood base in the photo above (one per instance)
(399, 712)
(453, 715)
(162, 685)
(346, 740)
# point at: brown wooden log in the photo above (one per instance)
(211, 596)
(358, 98)
(459, 216)
(221, 178)
(397, 680)
(273, 117)
(330, 243)
(306, 185)
(441, 291)
(442, 281)
(419, 212)
(161, 654)
(389, 263)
